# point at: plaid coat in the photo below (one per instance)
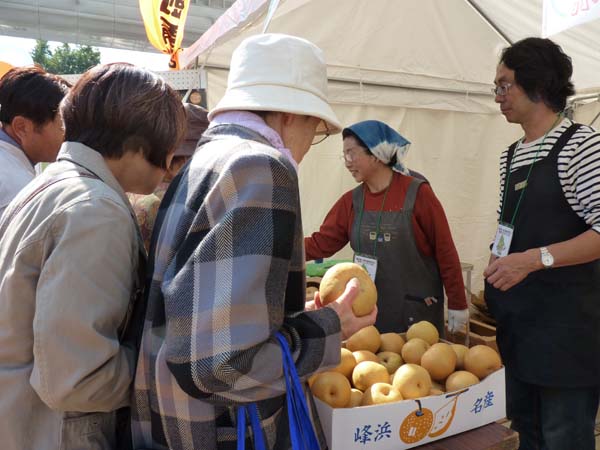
(227, 265)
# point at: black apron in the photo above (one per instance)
(404, 277)
(548, 325)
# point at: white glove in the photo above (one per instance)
(457, 319)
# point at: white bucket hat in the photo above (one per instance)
(277, 72)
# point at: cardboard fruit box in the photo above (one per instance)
(409, 423)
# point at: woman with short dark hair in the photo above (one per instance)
(70, 259)
(117, 108)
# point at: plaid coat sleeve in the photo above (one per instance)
(238, 264)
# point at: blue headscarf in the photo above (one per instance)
(384, 142)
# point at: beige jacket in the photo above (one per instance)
(68, 262)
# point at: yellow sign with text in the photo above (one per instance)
(164, 21)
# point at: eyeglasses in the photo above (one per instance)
(319, 138)
(502, 89)
(351, 155)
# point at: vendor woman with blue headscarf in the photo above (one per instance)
(398, 231)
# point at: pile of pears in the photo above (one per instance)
(384, 368)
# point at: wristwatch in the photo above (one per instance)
(547, 258)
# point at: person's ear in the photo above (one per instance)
(21, 127)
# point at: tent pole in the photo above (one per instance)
(490, 22)
(272, 7)
(485, 92)
(577, 98)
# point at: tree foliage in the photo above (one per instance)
(64, 59)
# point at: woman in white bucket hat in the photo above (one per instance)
(228, 261)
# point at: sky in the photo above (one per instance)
(16, 51)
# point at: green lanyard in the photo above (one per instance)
(360, 217)
(526, 179)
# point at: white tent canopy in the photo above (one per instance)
(518, 19)
(448, 44)
(104, 23)
(425, 67)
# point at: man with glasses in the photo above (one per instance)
(501, 89)
(543, 280)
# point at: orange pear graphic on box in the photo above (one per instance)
(416, 425)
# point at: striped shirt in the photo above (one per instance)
(578, 168)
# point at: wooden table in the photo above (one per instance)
(489, 437)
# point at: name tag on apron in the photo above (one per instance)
(369, 263)
(504, 235)
(521, 185)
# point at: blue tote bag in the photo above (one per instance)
(302, 433)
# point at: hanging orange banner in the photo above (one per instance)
(164, 21)
(4, 67)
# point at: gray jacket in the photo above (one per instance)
(15, 170)
(68, 263)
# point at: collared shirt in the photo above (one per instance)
(255, 123)
(15, 170)
(6, 138)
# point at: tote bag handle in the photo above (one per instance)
(302, 433)
(252, 409)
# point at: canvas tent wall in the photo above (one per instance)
(424, 67)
